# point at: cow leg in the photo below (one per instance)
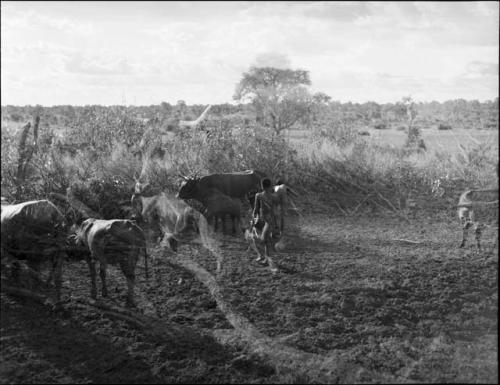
(57, 272)
(130, 289)
(128, 269)
(93, 289)
(233, 221)
(466, 227)
(223, 219)
(102, 273)
(478, 232)
(146, 263)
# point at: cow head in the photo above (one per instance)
(139, 186)
(189, 188)
(136, 210)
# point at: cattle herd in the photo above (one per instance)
(37, 231)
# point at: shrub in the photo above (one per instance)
(15, 117)
(380, 126)
(443, 126)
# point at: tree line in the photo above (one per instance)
(280, 99)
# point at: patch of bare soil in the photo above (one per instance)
(398, 299)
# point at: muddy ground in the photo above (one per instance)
(399, 299)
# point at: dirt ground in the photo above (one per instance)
(399, 299)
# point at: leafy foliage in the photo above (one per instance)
(279, 96)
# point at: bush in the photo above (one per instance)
(380, 126)
(224, 150)
(443, 126)
(15, 117)
(102, 169)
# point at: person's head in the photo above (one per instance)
(266, 183)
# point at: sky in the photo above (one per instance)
(143, 53)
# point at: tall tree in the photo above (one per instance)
(280, 96)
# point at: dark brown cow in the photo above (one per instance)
(35, 231)
(115, 241)
(234, 185)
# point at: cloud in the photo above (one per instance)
(273, 59)
(480, 68)
(35, 21)
(353, 50)
(99, 65)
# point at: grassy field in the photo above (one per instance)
(448, 141)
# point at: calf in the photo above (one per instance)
(281, 191)
(115, 241)
(472, 204)
(179, 222)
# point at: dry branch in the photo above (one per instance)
(408, 241)
(391, 206)
(359, 204)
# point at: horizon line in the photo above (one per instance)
(236, 104)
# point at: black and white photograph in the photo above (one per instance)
(249, 192)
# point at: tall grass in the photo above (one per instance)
(343, 167)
